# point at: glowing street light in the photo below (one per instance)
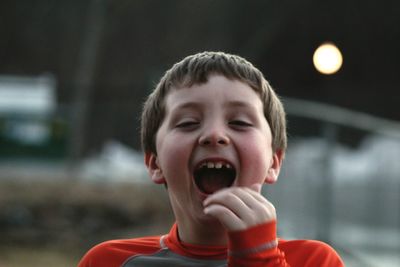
(327, 58)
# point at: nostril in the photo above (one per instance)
(206, 142)
(222, 142)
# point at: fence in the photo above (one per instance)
(340, 182)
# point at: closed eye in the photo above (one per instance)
(240, 123)
(187, 124)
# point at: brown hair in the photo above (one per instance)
(196, 69)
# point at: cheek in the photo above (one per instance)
(172, 151)
(257, 166)
(256, 156)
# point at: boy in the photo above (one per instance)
(213, 131)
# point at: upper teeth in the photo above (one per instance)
(217, 165)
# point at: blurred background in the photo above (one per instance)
(73, 77)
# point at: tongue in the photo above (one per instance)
(214, 181)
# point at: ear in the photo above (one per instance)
(153, 168)
(275, 167)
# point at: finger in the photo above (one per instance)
(248, 205)
(214, 195)
(232, 201)
(227, 217)
(259, 208)
(257, 195)
(241, 202)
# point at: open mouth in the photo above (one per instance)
(213, 176)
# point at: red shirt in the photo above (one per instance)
(254, 247)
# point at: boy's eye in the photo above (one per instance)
(240, 123)
(187, 124)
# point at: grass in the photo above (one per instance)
(37, 257)
(55, 223)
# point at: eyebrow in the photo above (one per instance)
(187, 105)
(238, 103)
(194, 104)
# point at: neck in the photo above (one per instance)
(209, 232)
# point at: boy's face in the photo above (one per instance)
(213, 136)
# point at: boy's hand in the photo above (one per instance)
(239, 208)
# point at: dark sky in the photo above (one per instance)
(138, 40)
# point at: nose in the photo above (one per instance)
(214, 138)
